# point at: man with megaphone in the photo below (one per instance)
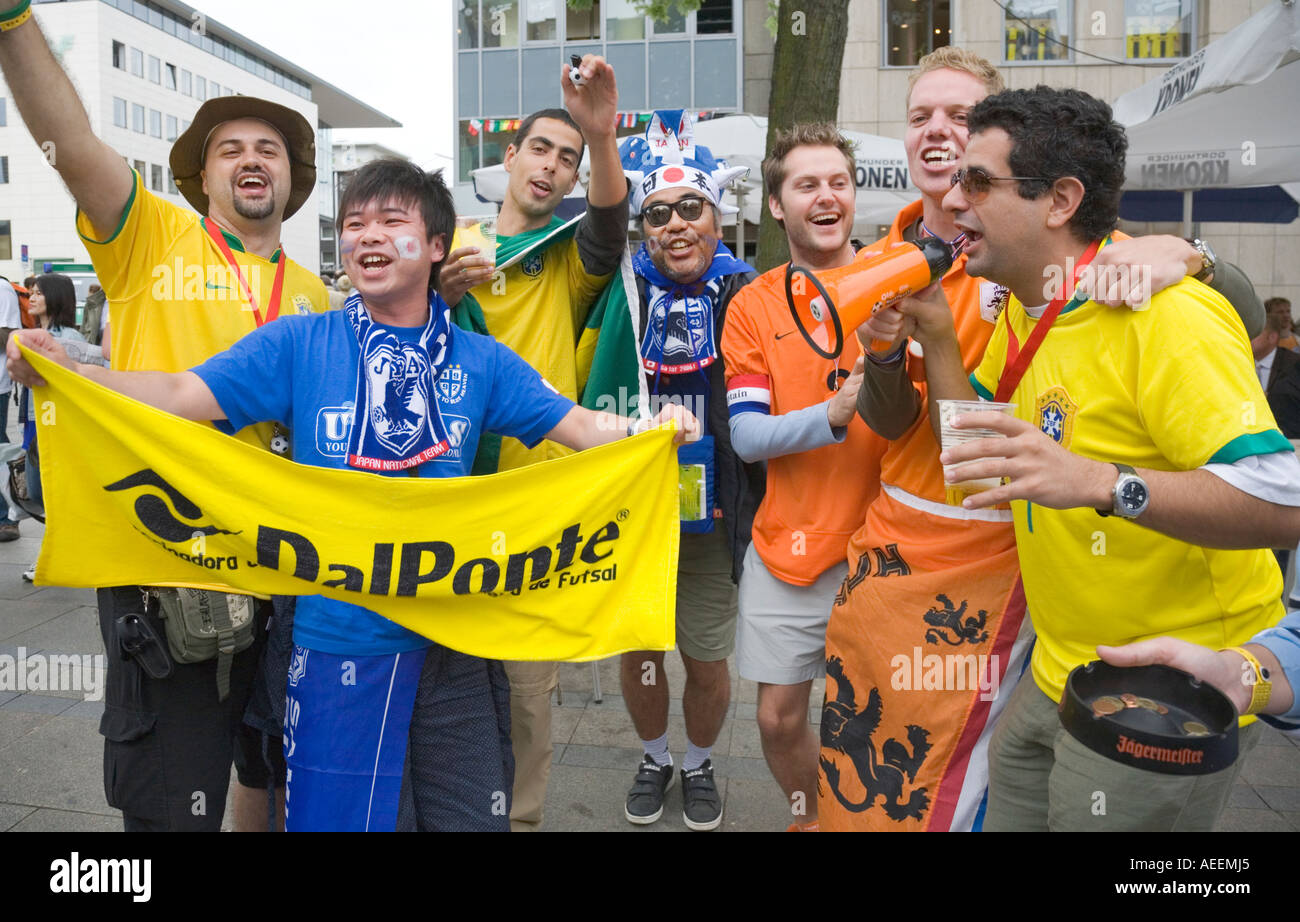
(929, 634)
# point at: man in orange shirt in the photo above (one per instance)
(795, 410)
(929, 634)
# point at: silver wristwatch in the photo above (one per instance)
(1129, 497)
(1208, 259)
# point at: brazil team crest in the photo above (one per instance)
(533, 264)
(1056, 412)
(302, 304)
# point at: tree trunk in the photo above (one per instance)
(810, 39)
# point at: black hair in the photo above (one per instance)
(560, 115)
(393, 179)
(1057, 133)
(60, 299)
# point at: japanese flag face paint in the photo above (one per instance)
(408, 247)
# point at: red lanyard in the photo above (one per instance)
(1018, 360)
(274, 310)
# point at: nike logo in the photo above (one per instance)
(786, 333)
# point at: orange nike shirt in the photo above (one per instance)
(815, 499)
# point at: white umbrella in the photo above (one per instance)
(882, 177)
(1224, 117)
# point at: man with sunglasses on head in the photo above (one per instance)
(686, 277)
(927, 579)
(1142, 464)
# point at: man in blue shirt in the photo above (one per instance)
(386, 385)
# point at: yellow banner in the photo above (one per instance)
(573, 559)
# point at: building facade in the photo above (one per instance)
(1103, 47)
(142, 69)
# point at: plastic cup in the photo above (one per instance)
(479, 231)
(950, 437)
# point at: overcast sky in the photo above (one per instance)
(393, 55)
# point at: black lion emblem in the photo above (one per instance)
(942, 620)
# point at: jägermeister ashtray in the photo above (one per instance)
(1153, 717)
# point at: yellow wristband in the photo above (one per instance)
(1261, 689)
(17, 21)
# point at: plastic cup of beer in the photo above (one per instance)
(479, 231)
(950, 437)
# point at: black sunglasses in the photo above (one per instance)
(976, 182)
(689, 208)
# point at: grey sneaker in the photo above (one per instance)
(701, 803)
(645, 801)
(9, 530)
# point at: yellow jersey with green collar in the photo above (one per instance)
(174, 300)
(1169, 388)
(538, 307)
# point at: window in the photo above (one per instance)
(155, 123)
(1158, 28)
(155, 175)
(200, 89)
(155, 70)
(467, 23)
(216, 90)
(623, 21)
(119, 112)
(171, 182)
(469, 147)
(914, 28)
(185, 123)
(171, 128)
(1036, 30)
(500, 23)
(119, 55)
(6, 241)
(4, 118)
(140, 168)
(583, 25)
(675, 24)
(137, 118)
(714, 18)
(137, 62)
(170, 72)
(4, 170)
(541, 20)
(187, 83)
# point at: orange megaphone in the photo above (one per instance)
(864, 288)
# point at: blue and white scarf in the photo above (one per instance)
(679, 335)
(397, 424)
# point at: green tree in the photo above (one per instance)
(810, 37)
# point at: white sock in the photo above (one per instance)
(695, 756)
(657, 749)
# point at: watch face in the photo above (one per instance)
(1133, 495)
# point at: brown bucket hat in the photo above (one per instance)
(187, 152)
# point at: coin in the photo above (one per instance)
(1130, 701)
(1161, 709)
(1148, 704)
(1193, 728)
(1107, 704)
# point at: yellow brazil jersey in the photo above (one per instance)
(175, 300)
(1169, 388)
(538, 307)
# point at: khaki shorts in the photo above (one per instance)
(706, 597)
(781, 635)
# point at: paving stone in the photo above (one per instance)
(58, 764)
(48, 820)
(1244, 797)
(1271, 765)
(1281, 799)
(16, 724)
(754, 806)
(20, 618)
(74, 632)
(1235, 820)
(11, 814)
(39, 704)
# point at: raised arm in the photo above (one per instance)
(594, 106)
(182, 394)
(95, 174)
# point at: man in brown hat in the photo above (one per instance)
(184, 287)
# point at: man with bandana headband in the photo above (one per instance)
(669, 337)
